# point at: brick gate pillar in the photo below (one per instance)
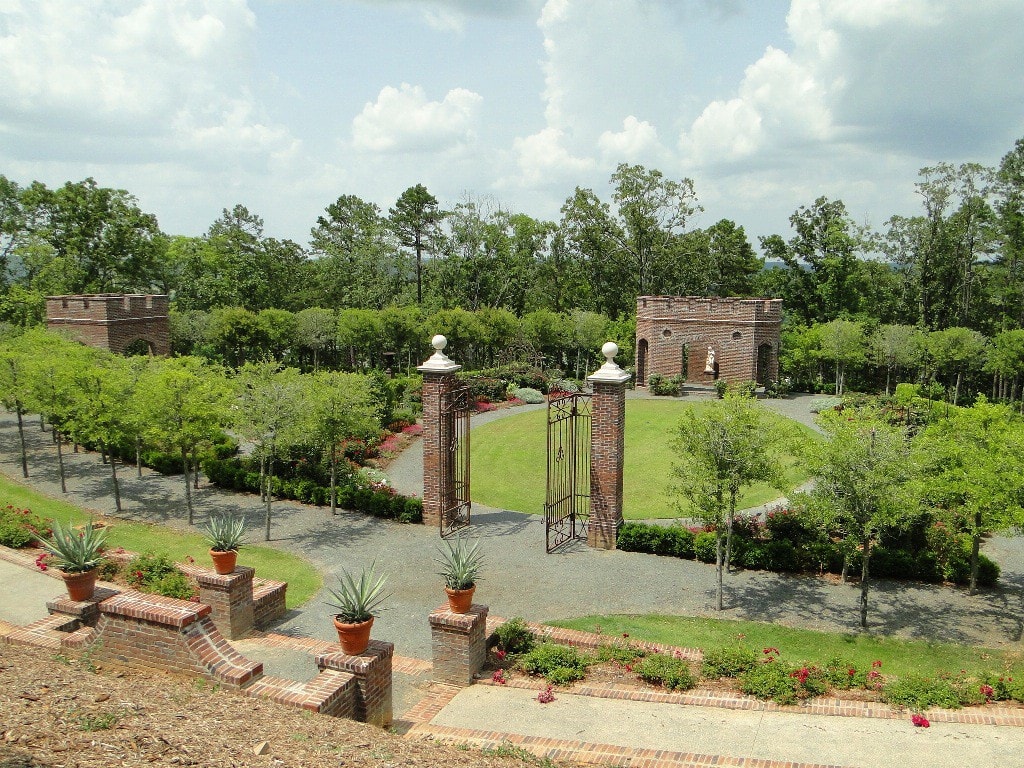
(607, 448)
(438, 379)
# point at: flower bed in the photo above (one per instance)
(765, 673)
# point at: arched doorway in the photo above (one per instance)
(764, 363)
(138, 347)
(641, 363)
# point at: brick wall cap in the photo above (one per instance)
(155, 608)
(209, 578)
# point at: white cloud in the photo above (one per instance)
(543, 159)
(637, 141)
(402, 119)
(149, 77)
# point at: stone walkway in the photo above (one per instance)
(521, 579)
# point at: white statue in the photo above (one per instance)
(709, 367)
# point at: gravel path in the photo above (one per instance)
(520, 579)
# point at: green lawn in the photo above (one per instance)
(898, 657)
(303, 579)
(509, 464)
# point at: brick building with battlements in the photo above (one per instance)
(118, 322)
(708, 338)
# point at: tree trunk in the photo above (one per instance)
(334, 478)
(838, 390)
(195, 467)
(117, 487)
(975, 551)
(845, 575)
(138, 457)
(728, 531)
(60, 464)
(263, 476)
(188, 486)
(956, 390)
(21, 436)
(718, 568)
(888, 377)
(864, 584)
(270, 477)
(42, 423)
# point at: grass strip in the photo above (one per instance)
(898, 656)
(304, 580)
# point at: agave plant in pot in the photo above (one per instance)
(461, 562)
(224, 534)
(77, 555)
(356, 601)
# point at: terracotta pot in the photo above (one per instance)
(224, 562)
(460, 600)
(81, 586)
(353, 637)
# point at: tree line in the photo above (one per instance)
(124, 406)
(957, 263)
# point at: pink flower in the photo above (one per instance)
(499, 677)
(546, 696)
(987, 692)
(920, 721)
(501, 654)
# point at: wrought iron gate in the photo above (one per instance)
(453, 435)
(567, 503)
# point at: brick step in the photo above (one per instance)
(44, 633)
(331, 692)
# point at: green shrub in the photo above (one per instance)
(156, 574)
(670, 672)
(665, 386)
(1007, 685)
(704, 547)
(21, 527)
(623, 653)
(14, 535)
(728, 661)
(529, 395)
(920, 693)
(783, 683)
(513, 637)
(844, 675)
(556, 663)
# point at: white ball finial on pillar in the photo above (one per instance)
(439, 361)
(610, 371)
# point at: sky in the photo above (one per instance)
(194, 106)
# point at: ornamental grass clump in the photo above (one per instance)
(76, 551)
(224, 532)
(358, 599)
(461, 562)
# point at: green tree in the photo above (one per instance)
(956, 351)
(183, 403)
(861, 474)
(1006, 363)
(414, 219)
(16, 387)
(972, 462)
(316, 330)
(100, 412)
(897, 348)
(719, 451)
(339, 406)
(1008, 265)
(267, 414)
(50, 369)
(845, 343)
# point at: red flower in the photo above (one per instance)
(499, 677)
(987, 692)
(500, 654)
(876, 664)
(920, 721)
(546, 696)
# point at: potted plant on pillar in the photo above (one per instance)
(224, 534)
(356, 602)
(460, 562)
(77, 553)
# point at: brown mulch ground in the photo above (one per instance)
(57, 711)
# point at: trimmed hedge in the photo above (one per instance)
(379, 501)
(787, 543)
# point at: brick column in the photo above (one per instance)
(230, 600)
(607, 449)
(458, 644)
(372, 672)
(438, 379)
